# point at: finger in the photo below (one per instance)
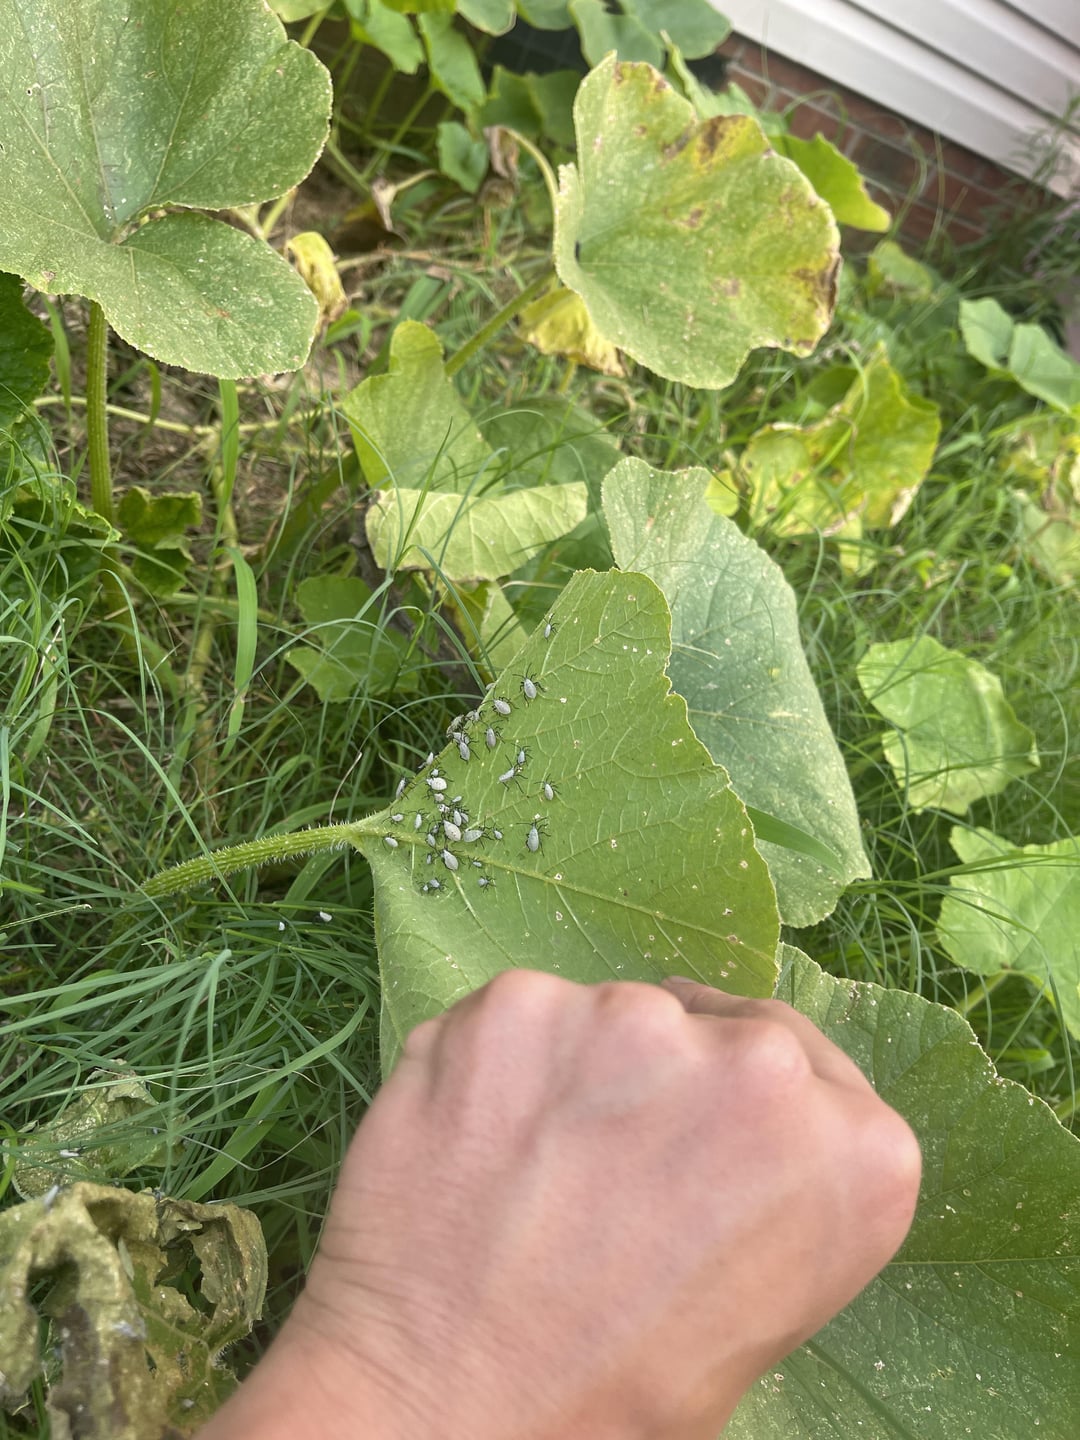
(826, 1058)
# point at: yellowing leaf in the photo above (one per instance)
(836, 180)
(559, 324)
(129, 1353)
(314, 260)
(859, 466)
(690, 243)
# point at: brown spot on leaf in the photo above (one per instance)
(820, 286)
(641, 131)
(695, 217)
(677, 146)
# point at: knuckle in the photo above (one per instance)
(900, 1157)
(771, 1051)
(640, 1010)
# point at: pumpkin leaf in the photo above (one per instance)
(690, 243)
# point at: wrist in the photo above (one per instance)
(303, 1389)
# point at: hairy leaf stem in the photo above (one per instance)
(97, 420)
(220, 864)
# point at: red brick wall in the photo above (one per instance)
(930, 184)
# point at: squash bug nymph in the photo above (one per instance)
(485, 882)
(530, 687)
(549, 629)
(450, 830)
(533, 839)
(502, 707)
(449, 860)
(391, 841)
(547, 790)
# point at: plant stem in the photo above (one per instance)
(274, 214)
(219, 864)
(97, 420)
(495, 324)
(199, 723)
(176, 426)
(101, 499)
(980, 993)
(312, 26)
(371, 109)
(1068, 1108)
(542, 165)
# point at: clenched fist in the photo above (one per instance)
(586, 1210)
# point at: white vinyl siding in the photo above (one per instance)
(985, 73)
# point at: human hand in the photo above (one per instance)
(593, 1211)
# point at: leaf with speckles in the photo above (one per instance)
(25, 350)
(646, 861)
(690, 242)
(738, 660)
(119, 123)
(974, 1328)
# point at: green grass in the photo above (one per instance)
(250, 1010)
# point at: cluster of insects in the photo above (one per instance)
(455, 838)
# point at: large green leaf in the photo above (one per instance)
(453, 65)
(974, 1328)
(410, 424)
(130, 1353)
(1017, 909)
(858, 467)
(356, 651)
(738, 661)
(621, 32)
(494, 17)
(481, 512)
(25, 350)
(534, 105)
(111, 114)
(374, 23)
(957, 738)
(637, 30)
(987, 329)
(690, 243)
(470, 537)
(836, 180)
(646, 861)
(1025, 352)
